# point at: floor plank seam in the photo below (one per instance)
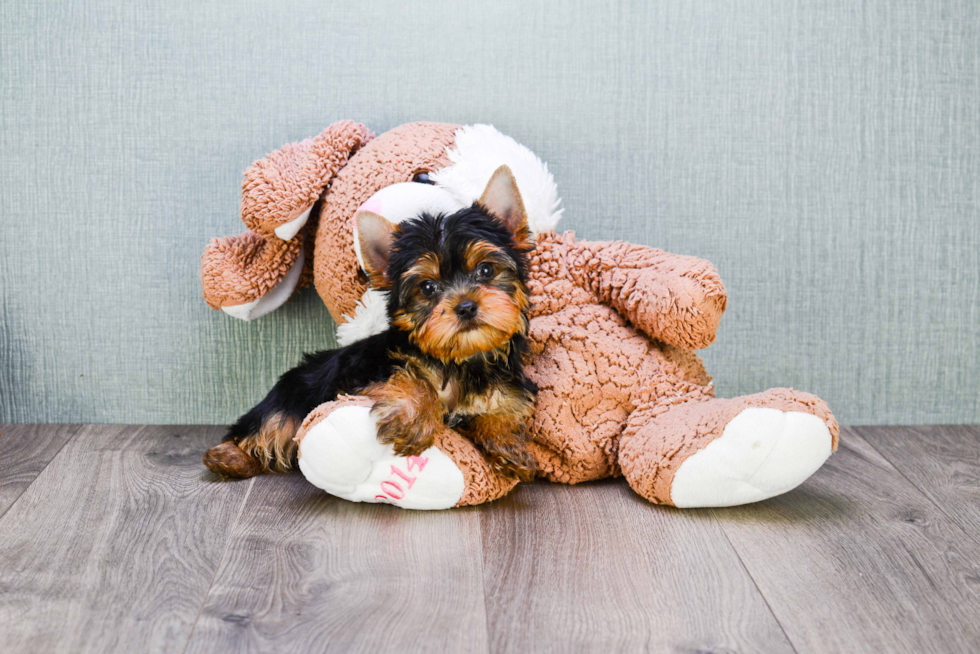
(765, 599)
(923, 491)
(221, 559)
(483, 576)
(61, 449)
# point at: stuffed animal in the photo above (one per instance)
(613, 331)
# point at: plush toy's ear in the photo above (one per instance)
(280, 189)
(374, 235)
(502, 198)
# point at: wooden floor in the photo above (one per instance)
(116, 539)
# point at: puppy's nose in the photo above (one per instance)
(466, 309)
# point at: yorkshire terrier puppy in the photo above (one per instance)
(453, 354)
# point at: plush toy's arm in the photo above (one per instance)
(675, 299)
(248, 275)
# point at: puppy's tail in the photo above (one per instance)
(259, 443)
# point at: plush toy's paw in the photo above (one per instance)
(248, 276)
(274, 298)
(290, 228)
(340, 453)
(763, 452)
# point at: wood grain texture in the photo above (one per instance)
(307, 572)
(24, 451)
(595, 568)
(114, 545)
(124, 543)
(942, 461)
(858, 560)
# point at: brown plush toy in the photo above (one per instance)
(613, 331)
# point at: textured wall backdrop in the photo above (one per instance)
(824, 155)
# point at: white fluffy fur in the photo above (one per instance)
(369, 318)
(479, 150)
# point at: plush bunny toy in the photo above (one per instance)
(613, 331)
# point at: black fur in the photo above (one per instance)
(322, 376)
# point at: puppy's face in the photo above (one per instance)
(456, 283)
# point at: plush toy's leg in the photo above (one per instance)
(727, 452)
(340, 453)
(248, 275)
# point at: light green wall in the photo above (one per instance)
(824, 155)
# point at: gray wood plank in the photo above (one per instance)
(114, 545)
(596, 568)
(308, 572)
(24, 451)
(858, 560)
(942, 461)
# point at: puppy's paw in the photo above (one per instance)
(229, 460)
(403, 426)
(512, 460)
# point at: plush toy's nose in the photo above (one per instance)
(466, 309)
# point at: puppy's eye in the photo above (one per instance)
(422, 178)
(484, 270)
(428, 288)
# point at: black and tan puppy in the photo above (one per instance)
(454, 353)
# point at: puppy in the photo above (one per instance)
(453, 354)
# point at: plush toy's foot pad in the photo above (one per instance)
(340, 453)
(763, 452)
(715, 452)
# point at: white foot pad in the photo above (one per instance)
(342, 455)
(762, 453)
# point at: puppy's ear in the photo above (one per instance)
(375, 236)
(502, 198)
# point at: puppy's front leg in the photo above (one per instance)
(501, 437)
(408, 412)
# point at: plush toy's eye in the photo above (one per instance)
(484, 270)
(428, 288)
(422, 178)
